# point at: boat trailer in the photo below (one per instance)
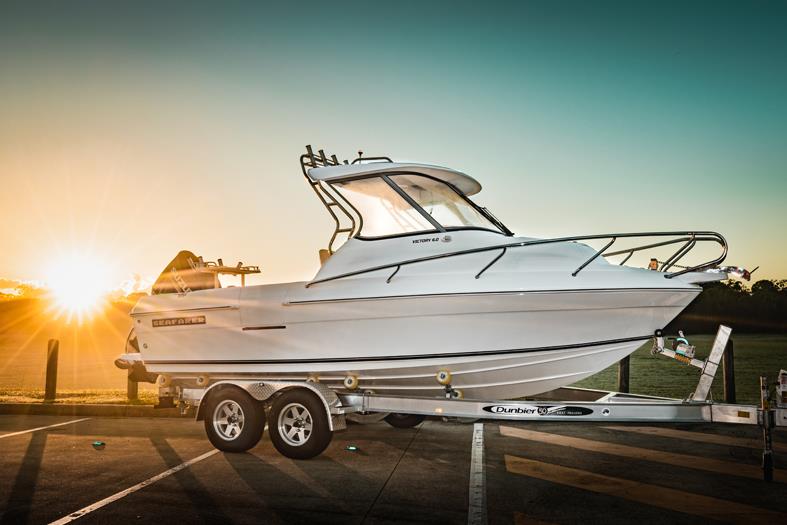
(298, 412)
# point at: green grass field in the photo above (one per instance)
(147, 396)
(755, 355)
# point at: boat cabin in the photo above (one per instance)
(375, 198)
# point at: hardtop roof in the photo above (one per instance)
(461, 181)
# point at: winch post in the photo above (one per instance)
(712, 364)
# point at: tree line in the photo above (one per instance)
(759, 309)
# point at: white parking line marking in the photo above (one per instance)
(123, 493)
(476, 510)
(43, 428)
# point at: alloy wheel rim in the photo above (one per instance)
(228, 419)
(295, 424)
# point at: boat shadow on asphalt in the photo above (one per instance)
(558, 501)
(298, 502)
(201, 500)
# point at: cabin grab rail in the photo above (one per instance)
(689, 238)
(312, 160)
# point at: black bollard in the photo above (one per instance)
(623, 375)
(728, 367)
(767, 425)
(132, 388)
(50, 389)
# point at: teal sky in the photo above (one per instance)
(133, 130)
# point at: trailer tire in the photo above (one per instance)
(404, 420)
(234, 421)
(365, 418)
(299, 425)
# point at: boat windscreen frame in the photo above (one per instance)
(438, 228)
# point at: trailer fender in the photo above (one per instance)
(265, 391)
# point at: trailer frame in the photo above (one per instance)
(567, 404)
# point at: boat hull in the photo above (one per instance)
(495, 345)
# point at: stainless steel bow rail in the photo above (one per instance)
(687, 240)
(346, 223)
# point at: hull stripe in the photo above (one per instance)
(394, 357)
(195, 309)
(508, 292)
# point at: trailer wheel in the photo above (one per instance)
(404, 420)
(299, 426)
(234, 421)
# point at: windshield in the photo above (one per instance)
(401, 204)
(439, 200)
(383, 210)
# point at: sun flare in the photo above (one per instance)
(78, 284)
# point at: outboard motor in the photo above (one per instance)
(182, 275)
(132, 361)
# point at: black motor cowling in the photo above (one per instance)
(183, 275)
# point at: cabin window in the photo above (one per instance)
(384, 211)
(439, 200)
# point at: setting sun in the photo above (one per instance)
(78, 284)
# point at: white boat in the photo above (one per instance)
(429, 291)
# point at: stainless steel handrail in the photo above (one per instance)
(688, 237)
(310, 160)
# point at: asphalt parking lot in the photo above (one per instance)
(529, 473)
